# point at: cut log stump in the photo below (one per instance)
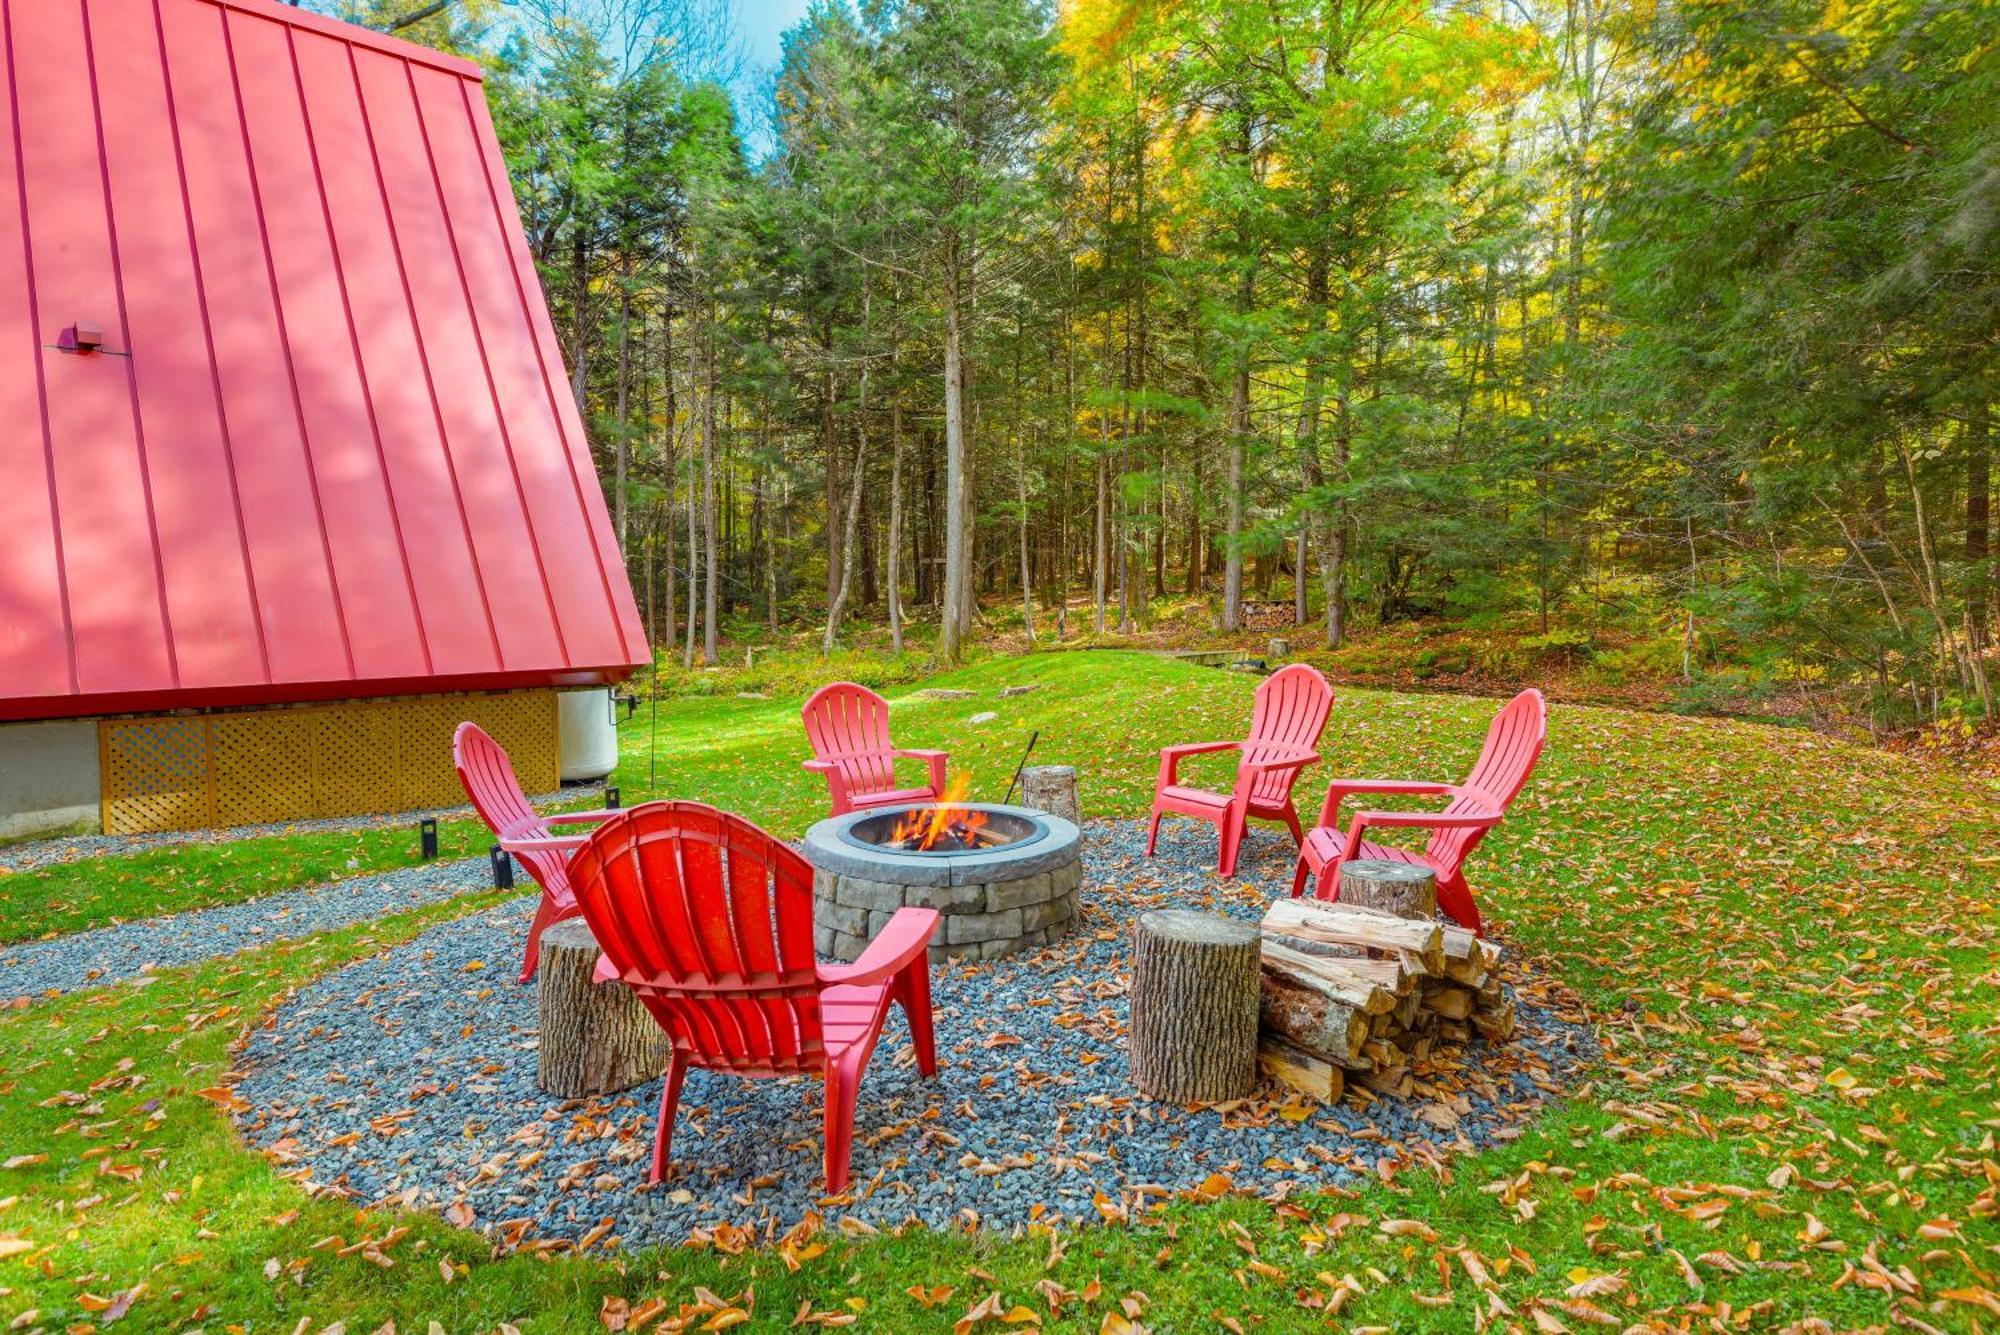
(1194, 1006)
(1401, 888)
(1052, 788)
(596, 1038)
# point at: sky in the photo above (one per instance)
(761, 23)
(761, 26)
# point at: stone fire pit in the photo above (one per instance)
(1016, 890)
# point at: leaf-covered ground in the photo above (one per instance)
(1788, 945)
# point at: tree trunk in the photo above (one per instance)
(851, 528)
(713, 551)
(579, 278)
(622, 453)
(1101, 536)
(1299, 578)
(595, 1038)
(669, 628)
(1195, 980)
(1978, 522)
(770, 534)
(1239, 402)
(1239, 435)
(893, 576)
(693, 496)
(829, 436)
(957, 539)
(1027, 579)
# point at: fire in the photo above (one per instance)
(950, 821)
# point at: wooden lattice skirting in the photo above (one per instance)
(349, 759)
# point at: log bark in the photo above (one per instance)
(595, 1037)
(1401, 888)
(1052, 788)
(1310, 1019)
(1194, 1007)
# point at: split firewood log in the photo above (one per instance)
(1453, 1003)
(1337, 978)
(1310, 1018)
(1339, 924)
(1304, 1071)
(1396, 1082)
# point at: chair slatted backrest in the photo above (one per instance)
(1513, 743)
(849, 725)
(488, 777)
(709, 921)
(1291, 711)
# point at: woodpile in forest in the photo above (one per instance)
(1354, 993)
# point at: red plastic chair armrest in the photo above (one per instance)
(898, 945)
(1339, 789)
(1171, 757)
(583, 817)
(1196, 748)
(1422, 820)
(935, 759)
(560, 843)
(836, 782)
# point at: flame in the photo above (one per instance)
(949, 820)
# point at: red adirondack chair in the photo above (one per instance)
(848, 727)
(1513, 743)
(709, 921)
(1290, 713)
(496, 795)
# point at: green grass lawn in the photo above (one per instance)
(99, 890)
(1789, 945)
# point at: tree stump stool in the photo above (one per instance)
(1052, 788)
(1279, 648)
(596, 1038)
(1193, 1033)
(1401, 888)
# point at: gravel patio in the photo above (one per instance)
(410, 1078)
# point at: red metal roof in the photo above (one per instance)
(327, 447)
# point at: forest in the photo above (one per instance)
(1657, 334)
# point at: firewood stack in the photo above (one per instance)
(1357, 993)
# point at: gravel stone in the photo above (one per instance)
(409, 1079)
(129, 952)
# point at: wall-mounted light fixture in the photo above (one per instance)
(81, 337)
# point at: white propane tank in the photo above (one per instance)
(588, 733)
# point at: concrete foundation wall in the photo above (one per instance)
(48, 778)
